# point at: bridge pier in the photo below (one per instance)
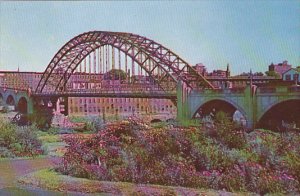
(30, 106)
(183, 111)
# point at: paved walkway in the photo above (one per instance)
(11, 170)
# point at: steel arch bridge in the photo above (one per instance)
(164, 66)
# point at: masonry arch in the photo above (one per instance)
(10, 100)
(156, 120)
(213, 106)
(22, 106)
(281, 114)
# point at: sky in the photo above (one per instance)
(245, 34)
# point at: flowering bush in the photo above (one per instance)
(134, 152)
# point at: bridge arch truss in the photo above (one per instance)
(148, 54)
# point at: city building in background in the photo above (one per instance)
(292, 75)
(104, 107)
(280, 68)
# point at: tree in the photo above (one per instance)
(272, 73)
(258, 74)
(115, 74)
(42, 117)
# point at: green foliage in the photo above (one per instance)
(159, 124)
(91, 124)
(292, 160)
(18, 141)
(49, 138)
(4, 109)
(228, 132)
(42, 117)
(273, 73)
(115, 74)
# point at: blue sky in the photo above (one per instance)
(247, 34)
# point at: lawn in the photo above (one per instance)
(51, 180)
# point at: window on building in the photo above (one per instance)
(288, 77)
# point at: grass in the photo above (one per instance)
(48, 179)
(12, 169)
(52, 143)
(50, 138)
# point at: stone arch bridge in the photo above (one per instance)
(257, 105)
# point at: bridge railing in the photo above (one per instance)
(12, 88)
(294, 89)
(108, 91)
(279, 89)
(266, 90)
(223, 91)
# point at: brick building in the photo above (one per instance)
(95, 106)
(280, 68)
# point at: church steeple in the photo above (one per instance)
(227, 71)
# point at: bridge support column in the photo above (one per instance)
(182, 104)
(250, 107)
(30, 108)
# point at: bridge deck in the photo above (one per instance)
(109, 94)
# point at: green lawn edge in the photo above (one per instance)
(51, 180)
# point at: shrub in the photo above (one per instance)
(19, 141)
(292, 161)
(4, 109)
(131, 151)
